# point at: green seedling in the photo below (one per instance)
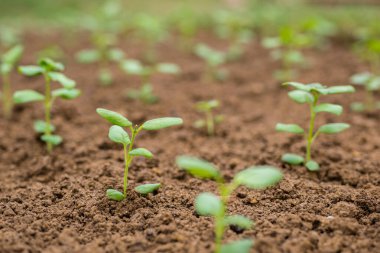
(209, 204)
(8, 61)
(119, 135)
(9, 37)
(104, 53)
(286, 48)
(135, 67)
(319, 30)
(210, 120)
(51, 71)
(310, 94)
(369, 50)
(371, 83)
(214, 60)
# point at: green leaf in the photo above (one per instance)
(292, 159)
(340, 89)
(208, 204)
(290, 128)
(40, 126)
(168, 68)
(205, 106)
(361, 78)
(147, 188)
(62, 79)
(141, 152)
(156, 124)
(374, 84)
(357, 107)
(105, 77)
(298, 86)
(239, 220)
(26, 96)
(115, 195)
(50, 65)
(114, 117)
(5, 68)
(133, 67)
(312, 165)
(66, 93)
(199, 123)
(119, 135)
(271, 42)
(241, 246)
(333, 128)
(258, 177)
(116, 54)
(53, 139)
(301, 96)
(88, 56)
(13, 55)
(330, 108)
(197, 167)
(30, 70)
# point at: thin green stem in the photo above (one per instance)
(310, 136)
(7, 96)
(48, 104)
(210, 123)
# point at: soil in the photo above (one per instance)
(57, 203)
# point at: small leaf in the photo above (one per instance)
(105, 77)
(5, 68)
(199, 123)
(357, 107)
(88, 56)
(50, 65)
(361, 78)
(12, 55)
(156, 124)
(290, 128)
(197, 167)
(333, 128)
(258, 177)
(115, 195)
(374, 84)
(116, 54)
(241, 246)
(239, 221)
(205, 106)
(301, 96)
(114, 117)
(62, 79)
(119, 135)
(40, 126)
(312, 165)
(208, 204)
(141, 152)
(133, 67)
(26, 96)
(168, 68)
(147, 188)
(298, 86)
(340, 89)
(53, 139)
(30, 70)
(66, 93)
(330, 108)
(292, 159)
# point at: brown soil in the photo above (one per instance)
(57, 203)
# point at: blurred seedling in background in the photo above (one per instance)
(51, 71)
(135, 67)
(310, 94)
(54, 52)
(9, 37)
(214, 60)
(369, 50)
(8, 61)
(286, 48)
(119, 135)
(371, 83)
(234, 28)
(210, 120)
(209, 204)
(319, 30)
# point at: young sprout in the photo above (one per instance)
(51, 71)
(135, 67)
(119, 135)
(209, 204)
(214, 59)
(210, 120)
(371, 84)
(369, 50)
(187, 24)
(7, 64)
(310, 94)
(286, 48)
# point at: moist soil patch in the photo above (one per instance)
(57, 203)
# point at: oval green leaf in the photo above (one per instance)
(119, 135)
(241, 246)
(258, 177)
(156, 124)
(289, 128)
(239, 221)
(62, 79)
(114, 117)
(26, 96)
(132, 67)
(147, 188)
(340, 89)
(30, 70)
(50, 65)
(333, 128)
(115, 195)
(208, 204)
(197, 167)
(13, 55)
(55, 140)
(40, 126)
(141, 152)
(66, 93)
(301, 96)
(330, 108)
(312, 165)
(88, 56)
(168, 68)
(292, 159)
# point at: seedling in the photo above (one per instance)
(135, 67)
(51, 71)
(210, 120)
(213, 59)
(119, 135)
(8, 62)
(209, 204)
(187, 24)
(371, 84)
(369, 50)
(310, 94)
(286, 48)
